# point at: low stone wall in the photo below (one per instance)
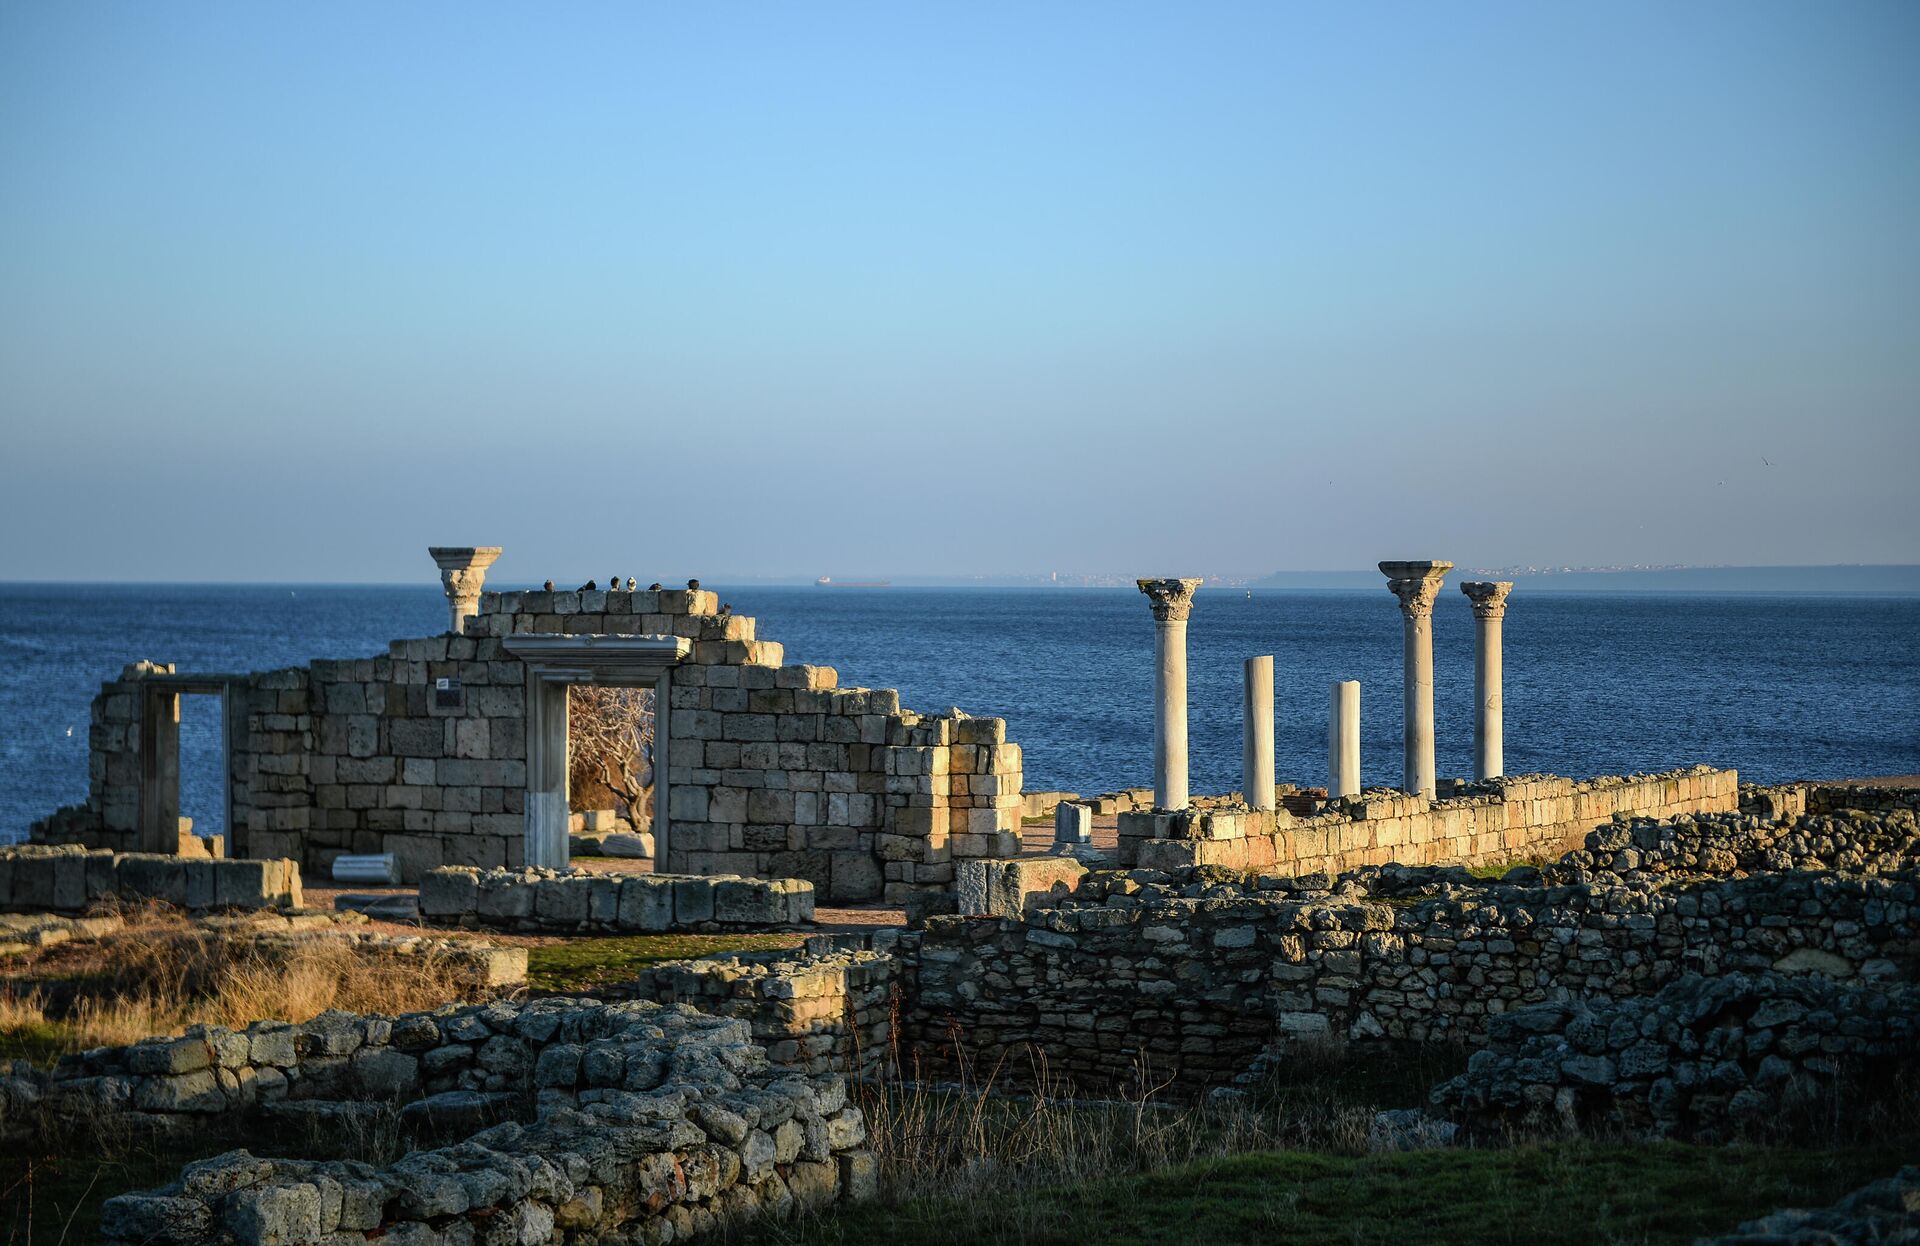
(1500, 820)
(1850, 841)
(1198, 973)
(817, 1011)
(653, 1124)
(569, 902)
(1704, 1058)
(68, 878)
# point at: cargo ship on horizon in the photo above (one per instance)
(827, 581)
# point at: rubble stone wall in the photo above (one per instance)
(819, 1011)
(1497, 821)
(650, 1123)
(1709, 1059)
(67, 878)
(1199, 972)
(530, 899)
(774, 770)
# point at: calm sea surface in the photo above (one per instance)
(1782, 687)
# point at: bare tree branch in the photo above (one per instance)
(610, 749)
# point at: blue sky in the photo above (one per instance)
(289, 292)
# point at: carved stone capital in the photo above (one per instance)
(1489, 597)
(1416, 584)
(463, 570)
(1171, 599)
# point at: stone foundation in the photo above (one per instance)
(650, 1123)
(69, 878)
(563, 902)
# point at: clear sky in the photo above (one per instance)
(291, 291)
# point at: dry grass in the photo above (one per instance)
(160, 974)
(1021, 1125)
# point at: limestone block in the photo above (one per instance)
(450, 891)
(692, 901)
(646, 904)
(1072, 823)
(564, 902)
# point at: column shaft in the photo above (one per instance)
(1256, 745)
(1416, 584)
(1172, 601)
(1417, 702)
(1170, 714)
(1343, 738)
(1489, 610)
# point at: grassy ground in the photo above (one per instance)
(583, 964)
(1573, 1192)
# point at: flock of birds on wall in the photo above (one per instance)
(613, 584)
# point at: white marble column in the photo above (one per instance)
(1343, 738)
(1416, 584)
(1489, 598)
(1256, 741)
(463, 569)
(1172, 602)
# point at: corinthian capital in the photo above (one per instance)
(1489, 597)
(463, 569)
(1171, 599)
(1416, 584)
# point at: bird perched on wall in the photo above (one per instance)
(613, 583)
(726, 609)
(588, 587)
(547, 587)
(629, 584)
(654, 587)
(693, 586)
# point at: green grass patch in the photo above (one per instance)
(37, 1042)
(583, 964)
(1545, 1195)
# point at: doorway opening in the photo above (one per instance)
(163, 829)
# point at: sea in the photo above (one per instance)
(1780, 686)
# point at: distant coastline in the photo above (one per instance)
(1845, 578)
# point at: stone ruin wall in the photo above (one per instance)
(1498, 821)
(1203, 970)
(774, 770)
(67, 878)
(615, 1122)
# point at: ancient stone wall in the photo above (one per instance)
(818, 1011)
(1496, 821)
(650, 1122)
(68, 878)
(1199, 972)
(548, 900)
(774, 770)
(1710, 1059)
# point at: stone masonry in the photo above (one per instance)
(648, 1123)
(67, 878)
(772, 770)
(1498, 820)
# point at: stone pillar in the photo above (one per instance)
(1489, 598)
(1256, 733)
(1172, 602)
(1343, 738)
(1072, 824)
(545, 819)
(463, 569)
(1416, 584)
